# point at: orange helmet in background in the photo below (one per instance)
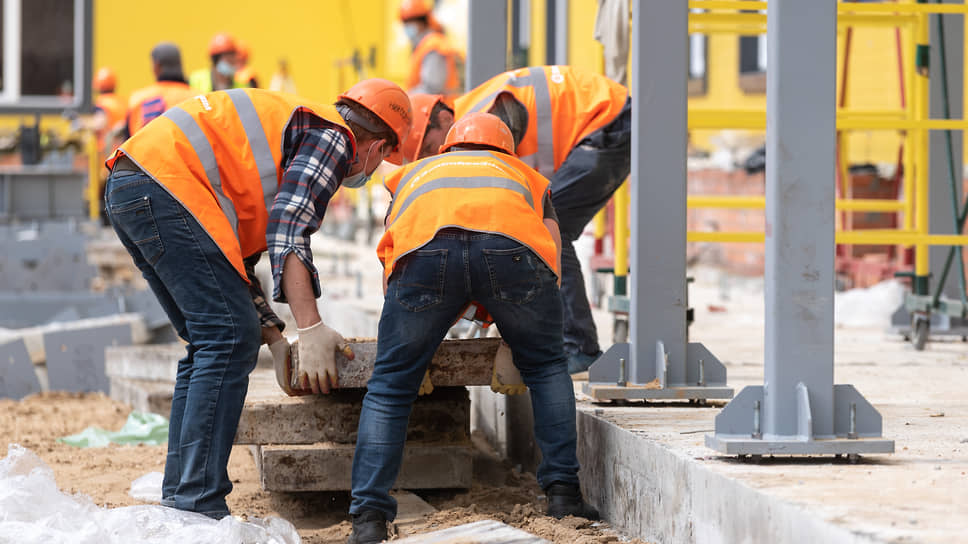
(104, 80)
(242, 51)
(412, 9)
(387, 101)
(423, 106)
(480, 128)
(221, 43)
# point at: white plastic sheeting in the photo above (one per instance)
(34, 511)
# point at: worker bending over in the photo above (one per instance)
(574, 127)
(473, 224)
(435, 64)
(221, 75)
(195, 197)
(169, 88)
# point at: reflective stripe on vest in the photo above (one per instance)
(258, 143)
(464, 183)
(203, 149)
(544, 158)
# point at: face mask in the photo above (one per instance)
(411, 30)
(360, 178)
(225, 68)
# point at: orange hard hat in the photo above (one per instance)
(411, 9)
(387, 101)
(242, 51)
(105, 80)
(221, 43)
(480, 128)
(423, 106)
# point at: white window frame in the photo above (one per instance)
(11, 99)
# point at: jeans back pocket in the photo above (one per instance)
(419, 284)
(514, 273)
(135, 219)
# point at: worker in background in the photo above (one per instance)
(573, 126)
(109, 109)
(244, 74)
(281, 80)
(472, 224)
(196, 196)
(169, 88)
(221, 75)
(435, 65)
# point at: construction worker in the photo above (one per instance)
(432, 118)
(573, 126)
(472, 224)
(195, 197)
(169, 88)
(244, 74)
(435, 65)
(221, 75)
(109, 109)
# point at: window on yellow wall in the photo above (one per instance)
(752, 62)
(698, 53)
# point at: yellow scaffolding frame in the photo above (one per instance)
(914, 122)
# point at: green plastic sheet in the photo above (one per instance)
(140, 428)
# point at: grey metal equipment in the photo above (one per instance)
(799, 410)
(487, 41)
(17, 376)
(658, 362)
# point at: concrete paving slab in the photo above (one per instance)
(155, 362)
(272, 417)
(328, 466)
(479, 532)
(143, 395)
(75, 358)
(647, 468)
(17, 376)
(34, 337)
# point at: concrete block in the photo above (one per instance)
(480, 532)
(150, 362)
(17, 376)
(34, 337)
(272, 417)
(456, 363)
(143, 395)
(75, 358)
(328, 466)
(507, 423)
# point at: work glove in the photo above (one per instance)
(506, 379)
(426, 386)
(282, 363)
(317, 349)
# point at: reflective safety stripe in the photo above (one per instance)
(203, 149)
(464, 183)
(258, 143)
(545, 121)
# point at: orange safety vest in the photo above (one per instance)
(481, 191)
(564, 105)
(435, 42)
(245, 76)
(152, 101)
(114, 110)
(220, 155)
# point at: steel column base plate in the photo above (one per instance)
(605, 391)
(744, 445)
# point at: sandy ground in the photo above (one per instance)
(105, 474)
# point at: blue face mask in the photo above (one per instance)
(360, 178)
(225, 68)
(411, 30)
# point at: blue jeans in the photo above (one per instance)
(425, 295)
(209, 305)
(582, 185)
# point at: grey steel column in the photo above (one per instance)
(657, 353)
(799, 410)
(487, 40)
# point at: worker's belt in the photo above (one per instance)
(124, 164)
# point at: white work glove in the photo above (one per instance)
(282, 363)
(317, 347)
(506, 379)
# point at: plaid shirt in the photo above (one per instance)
(315, 157)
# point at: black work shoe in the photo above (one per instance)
(369, 527)
(566, 500)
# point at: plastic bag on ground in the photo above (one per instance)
(148, 487)
(140, 428)
(34, 511)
